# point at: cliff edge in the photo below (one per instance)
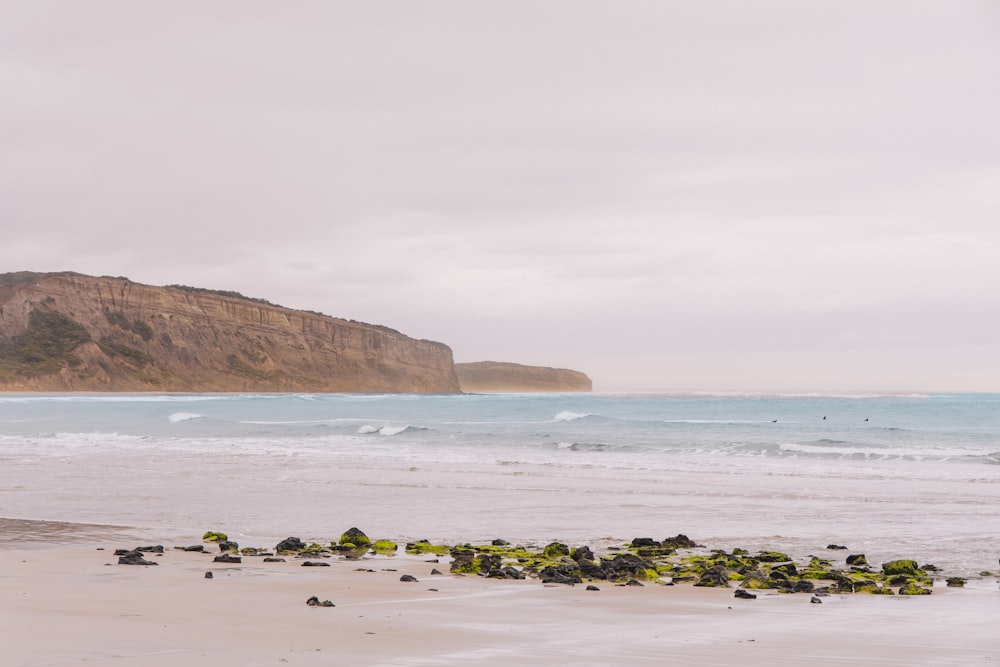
(71, 332)
(495, 376)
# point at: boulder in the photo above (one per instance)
(134, 558)
(290, 544)
(356, 537)
(857, 560)
(714, 577)
(227, 558)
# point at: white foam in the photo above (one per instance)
(385, 429)
(183, 417)
(568, 416)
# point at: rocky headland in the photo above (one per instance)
(499, 377)
(71, 332)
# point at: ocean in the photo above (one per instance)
(914, 476)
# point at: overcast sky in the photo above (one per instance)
(701, 195)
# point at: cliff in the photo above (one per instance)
(70, 332)
(495, 376)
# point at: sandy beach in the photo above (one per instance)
(66, 601)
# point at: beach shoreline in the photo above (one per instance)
(66, 600)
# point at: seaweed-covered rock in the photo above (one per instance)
(384, 547)
(582, 553)
(356, 537)
(913, 589)
(756, 580)
(626, 566)
(214, 536)
(773, 557)
(904, 566)
(290, 545)
(228, 545)
(499, 543)
(955, 582)
(555, 550)
(716, 576)
(857, 560)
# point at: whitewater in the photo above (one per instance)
(892, 476)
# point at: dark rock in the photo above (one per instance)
(158, 549)
(123, 552)
(744, 595)
(955, 582)
(644, 542)
(195, 547)
(500, 543)
(407, 577)
(804, 586)
(716, 576)
(506, 572)
(592, 588)
(228, 545)
(209, 575)
(134, 558)
(315, 563)
(898, 580)
(625, 566)
(787, 569)
(582, 553)
(436, 571)
(274, 560)
(554, 575)
(836, 547)
(591, 570)
(315, 602)
(680, 541)
(633, 582)
(815, 600)
(857, 560)
(227, 558)
(290, 544)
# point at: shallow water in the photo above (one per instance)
(913, 476)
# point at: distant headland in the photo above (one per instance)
(71, 332)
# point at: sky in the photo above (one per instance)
(769, 196)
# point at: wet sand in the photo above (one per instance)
(65, 602)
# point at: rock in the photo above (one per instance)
(556, 550)
(499, 543)
(716, 576)
(624, 566)
(384, 547)
(955, 582)
(356, 537)
(436, 571)
(314, 563)
(857, 560)
(633, 582)
(227, 558)
(582, 553)
(195, 547)
(214, 536)
(803, 586)
(227, 545)
(290, 544)
(209, 575)
(591, 587)
(836, 547)
(815, 600)
(407, 577)
(913, 589)
(644, 542)
(274, 560)
(554, 575)
(744, 595)
(134, 558)
(680, 541)
(158, 549)
(907, 567)
(506, 572)
(315, 602)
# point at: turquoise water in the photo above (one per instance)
(888, 474)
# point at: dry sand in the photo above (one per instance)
(64, 602)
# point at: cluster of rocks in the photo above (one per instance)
(644, 559)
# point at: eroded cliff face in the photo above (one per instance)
(70, 332)
(495, 376)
